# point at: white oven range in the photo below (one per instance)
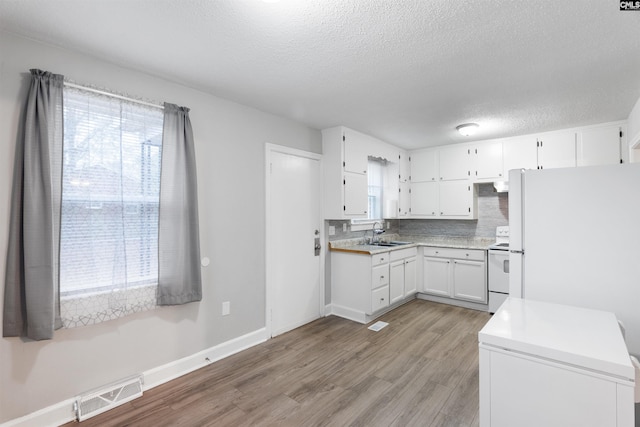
(498, 270)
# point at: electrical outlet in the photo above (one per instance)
(388, 225)
(226, 308)
(332, 230)
(344, 227)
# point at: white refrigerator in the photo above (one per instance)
(575, 239)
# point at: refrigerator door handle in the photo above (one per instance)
(517, 252)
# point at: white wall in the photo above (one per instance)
(633, 132)
(230, 142)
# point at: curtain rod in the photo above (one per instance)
(114, 95)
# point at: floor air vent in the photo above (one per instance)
(108, 397)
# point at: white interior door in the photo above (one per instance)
(294, 291)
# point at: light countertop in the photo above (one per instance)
(357, 246)
(566, 334)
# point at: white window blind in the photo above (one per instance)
(111, 186)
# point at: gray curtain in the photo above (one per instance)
(31, 294)
(179, 278)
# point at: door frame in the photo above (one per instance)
(269, 282)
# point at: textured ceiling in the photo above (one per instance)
(406, 71)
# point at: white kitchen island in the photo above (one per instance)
(544, 364)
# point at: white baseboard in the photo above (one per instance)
(61, 413)
(172, 370)
(54, 415)
(327, 310)
(349, 313)
(456, 302)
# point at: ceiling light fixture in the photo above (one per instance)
(468, 129)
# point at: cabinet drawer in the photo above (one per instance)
(403, 253)
(379, 298)
(379, 259)
(379, 276)
(469, 254)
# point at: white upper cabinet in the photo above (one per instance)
(486, 161)
(599, 146)
(345, 193)
(520, 153)
(356, 151)
(404, 165)
(557, 150)
(345, 163)
(458, 200)
(424, 165)
(356, 195)
(454, 162)
(404, 200)
(425, 199)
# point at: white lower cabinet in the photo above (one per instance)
(363, 285)
(359, 284)
(402, 274)
(455, 273)
(436, 276)
(469, 280)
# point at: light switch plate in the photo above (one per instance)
(226, 308)
(332, 230)
(344, 227)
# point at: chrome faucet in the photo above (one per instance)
(376, 233)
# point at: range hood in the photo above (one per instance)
(501, 186)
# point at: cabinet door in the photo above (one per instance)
(396, 281)
(424, 165)
(379, 299)
(404, 196)
(599, 146)
(424, 199)
(356, 195)
(410, 285)
(526, 391)
(355, 151)
(454, 163)
(488, 161)
(557, 150)
(520, 153)
(436, 276)
(404, 165)
(469, 280)
(379, 276)
(456, 198)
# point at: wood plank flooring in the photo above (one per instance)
(421, 370)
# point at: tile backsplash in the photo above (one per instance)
(493, 211)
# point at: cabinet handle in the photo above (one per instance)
(381, 259)
(382, 299)
(382, 277)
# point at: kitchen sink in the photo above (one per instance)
(392, 243)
